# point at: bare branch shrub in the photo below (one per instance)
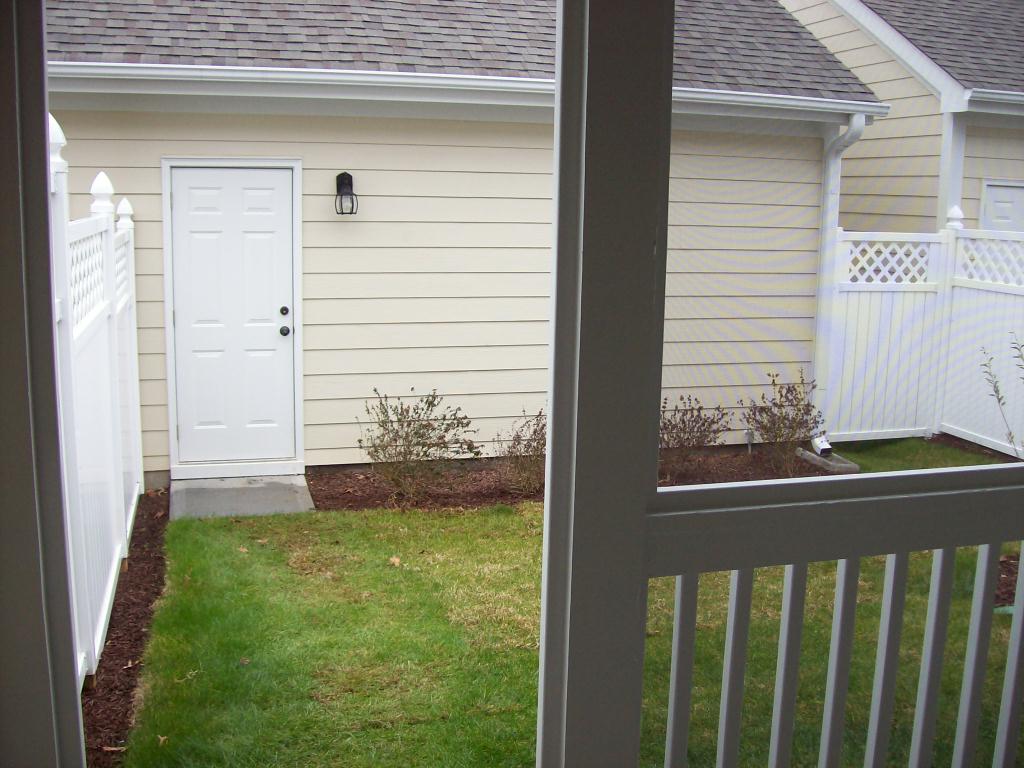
(688, 426)
(783, 421)
(411, 443)
(996, 391)
(522, 454)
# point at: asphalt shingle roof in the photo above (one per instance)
(733, 45)
(978, 42)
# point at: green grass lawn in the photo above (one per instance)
(410, 639)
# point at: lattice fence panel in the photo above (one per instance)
(992, 261)
(86, 272)
(892, 263)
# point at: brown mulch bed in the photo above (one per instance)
(108, 702)
(478, 483)
(475, 483)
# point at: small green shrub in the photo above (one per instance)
(411, 443)
(783, 421)
(522, 454)
(688, 426)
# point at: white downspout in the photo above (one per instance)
(827, 263)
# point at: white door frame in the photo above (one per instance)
(194, 470)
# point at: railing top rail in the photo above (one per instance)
(892, 237)
(989, 234)
(79, 229)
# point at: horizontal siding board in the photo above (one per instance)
(771, 329)
(718, 307)
(404, 285)
(472, 309)
(734, 353)
(425, 359)
(361, 385)
(510, 404)
(742, 238)
(438, 335)
(741, 215)
(747, 262)
(419, 260)
(739, 285)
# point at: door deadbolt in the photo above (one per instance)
(285, 330)
(284, 310)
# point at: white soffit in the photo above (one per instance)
(133, 86)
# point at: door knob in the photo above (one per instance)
(285, 330)
(284, 310)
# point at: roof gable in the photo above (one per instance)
(978, 42)
(739, 45)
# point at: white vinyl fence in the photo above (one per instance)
(910, 316)
(94, 313)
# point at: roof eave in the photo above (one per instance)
(173, 80)
(995, 102)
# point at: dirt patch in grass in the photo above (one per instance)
(941, 438)
(108, 704)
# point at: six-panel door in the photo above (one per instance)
(232, 264)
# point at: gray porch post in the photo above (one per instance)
(613, 131)
(40, 718)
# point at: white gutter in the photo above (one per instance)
(264, 82)
(828, 262)
(986, 100)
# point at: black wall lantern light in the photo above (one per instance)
(346, 201)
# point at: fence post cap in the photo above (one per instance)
(955, 218)
(57, 138)
(102, 191)
(124, 213)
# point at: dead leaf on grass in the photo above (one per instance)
(244, 550)
(162, 739)
(245, 661)
(262, 541)
(395, 561)
(114, 749)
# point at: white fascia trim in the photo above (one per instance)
(1002, 102)
(951, 93)
(191, 80)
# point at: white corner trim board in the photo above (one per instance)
(390, 87)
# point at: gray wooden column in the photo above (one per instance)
(613, 132)
(40, 717)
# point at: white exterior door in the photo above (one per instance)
(1003, 206)
(233, 309)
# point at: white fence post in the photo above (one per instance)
(944, 311)
(102, 192)
(82, 605)
(128, 368)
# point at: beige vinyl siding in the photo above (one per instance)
(990, 154)
(442, 280)
(891, 176)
